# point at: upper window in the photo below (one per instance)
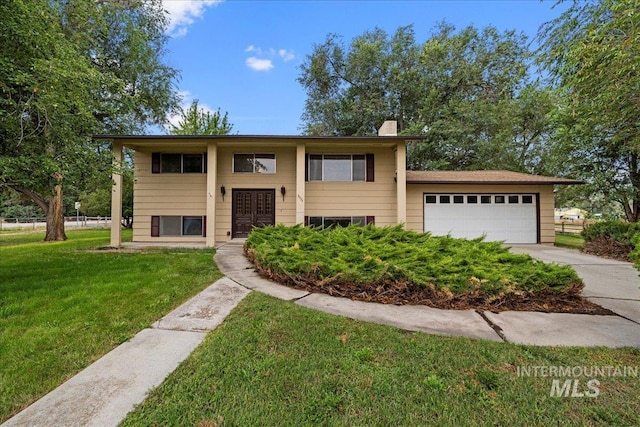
(254, 163)
(178, 163)
(340, 167)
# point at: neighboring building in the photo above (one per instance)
(570, 214)
(213, 188)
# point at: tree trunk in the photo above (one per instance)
(55, 217)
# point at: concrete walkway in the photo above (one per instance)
(103, 393)
(612, 284)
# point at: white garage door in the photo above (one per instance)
(508, 217)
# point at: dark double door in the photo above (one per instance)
(252, 208)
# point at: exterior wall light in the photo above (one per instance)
(223, 191)
(283, 191)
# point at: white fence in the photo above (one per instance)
(69, 222)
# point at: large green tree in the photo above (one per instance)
(592, 52)
(197, 121)
(468, 93)
(70, 69)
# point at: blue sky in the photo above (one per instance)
(244, 56)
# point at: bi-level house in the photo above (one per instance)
(211, 189)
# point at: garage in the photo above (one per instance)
(512, 218)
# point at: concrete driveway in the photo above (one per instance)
(611, 284)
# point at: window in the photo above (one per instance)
(174, 225)
(499, 200)
(178, 163)
(171, 163)
(458, 199)
(430, 199)
(254, 163)
(192, 163)
(527, 199)
(445, 199)
(485, 200)
(340, 167)
(339, 221)
(513, 200)
(192, 226)
(472, 199)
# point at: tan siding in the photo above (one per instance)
(376, 198)
(164, 194)
(415, 203)
(285, 175)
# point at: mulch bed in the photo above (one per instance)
(608, 248)
(399, 293)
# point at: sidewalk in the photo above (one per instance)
(521, 327)
(105, 392)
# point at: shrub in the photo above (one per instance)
(374, 257)
(620, 231)
(635, 253)
(611, 239)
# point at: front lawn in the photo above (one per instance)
(572, 241)
(63, 304)
(273, 363)
(392, 265)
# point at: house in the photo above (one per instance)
(214, 188)
(569, 214)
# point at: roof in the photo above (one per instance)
(258, 137)
(142, 142)
(483, 177)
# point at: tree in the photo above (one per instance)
(352, 91)
(468, 93)
(69, 69)
(592, 52)
(198, 121)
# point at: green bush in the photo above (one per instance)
(635, 253)
(374, 256)
(620, 231)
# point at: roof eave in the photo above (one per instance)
(552, 182)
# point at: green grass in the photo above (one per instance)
(273, 363)
(372, 256)
(572, 241)
(63, 305)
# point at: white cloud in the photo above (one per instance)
(261, 59)
(286, 55)
(258, 64)
(183, 13)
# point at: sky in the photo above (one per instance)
(244, 56)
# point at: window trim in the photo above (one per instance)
(254, 154)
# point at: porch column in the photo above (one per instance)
(212, 172)
(401, 182)
(116, 196)
(300, 182)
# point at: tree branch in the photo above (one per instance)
(40, 201)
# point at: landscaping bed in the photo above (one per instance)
(394, 266)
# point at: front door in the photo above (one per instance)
(252, 208)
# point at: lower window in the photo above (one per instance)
(339, 221)
(177, 226)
